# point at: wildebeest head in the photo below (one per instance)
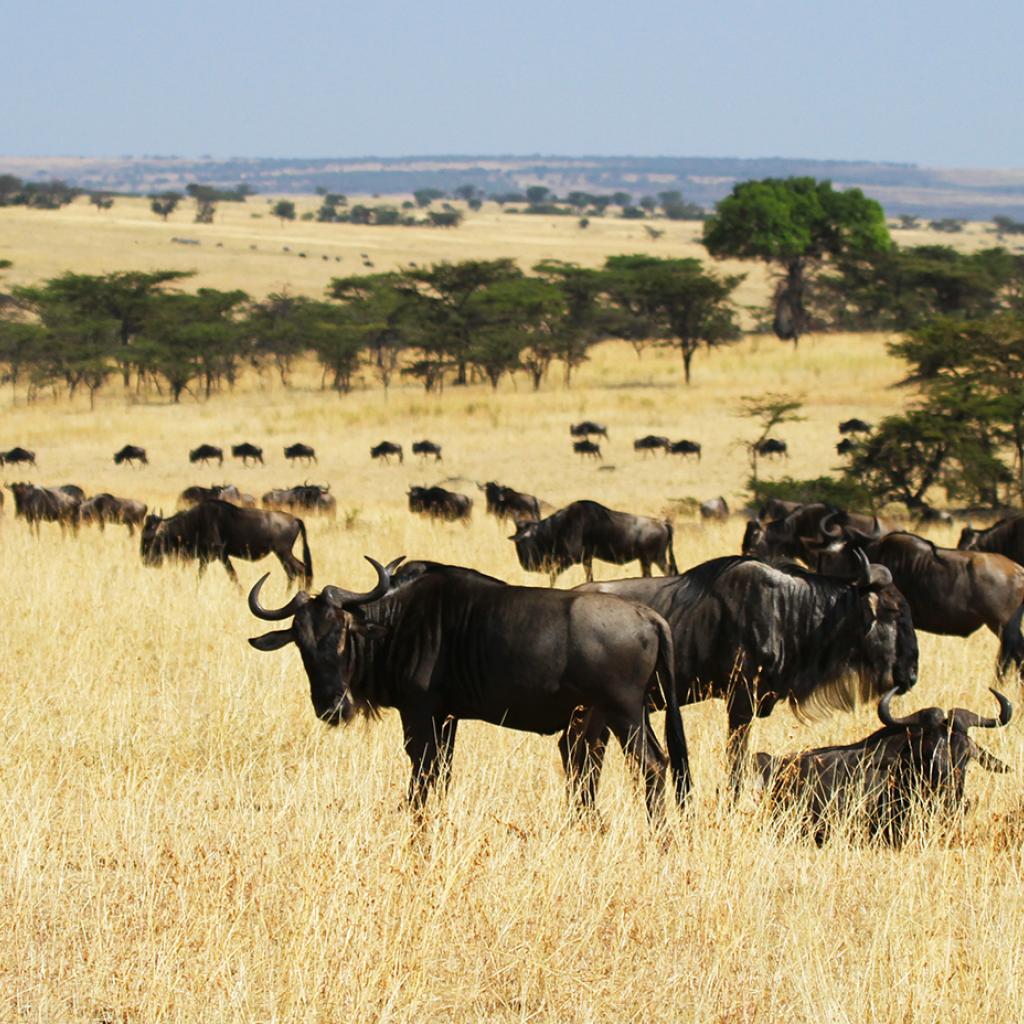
(969, 538)
(154, 543)
(321, 629)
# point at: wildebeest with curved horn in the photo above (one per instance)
(441, 644)
(205, 454)
(296, 452)
(508, 503)
(439, 503)
(427, 448)
(247, 453)
(799, 530)
(585, 530)
(106, 508)
(588, 428)
(1003, 538)
(217, 531)
(918, 760)
(385, 450)
(754, 634)
(131, 454)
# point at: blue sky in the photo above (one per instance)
(903, 80)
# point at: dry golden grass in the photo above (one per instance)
(180, 839)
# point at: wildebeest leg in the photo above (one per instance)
(588, 567)
(645, 567)
(741, 714)
(232, 575)
(582, 747)
(1011, 645)
(429, 742)
(641, 746)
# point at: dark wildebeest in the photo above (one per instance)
(651, 443)
(714, 508)
(847, 446)
(45, 505)
(800, 532)
(591, 448)
(438, 503)
(206, 453)
(507, 503)
(777, 508)
(920, 760)
(425, 448)
(385, 450)
(305, 498)
(587, 429)
(754, 634)
(16, 456)
(1004, 538)
(294, 452)
(585, 530)
(950, 592)
(105, 508)
(131, 454)
(73, 490)
(771, 447)
(218, 492)
(685, 448)
(854, 426)
(441, 644)
(216, 531)
(247, 453)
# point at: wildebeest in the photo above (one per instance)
(771, 447)
(919, 760)
(17, 456)
(106, 508)
(507, 503)
(651, 443)
(425, 448)
(585, 448)
(854, 426)
(685, 448)
(441, 644)
(714, 508)
(247, 453)
(846, 446)
(295, 452)
(304, 498)
(206, 453)
(587, 429)
(585, 530)
(73, 490)
(217, 531)
(1004, 538)
(131, 454)
(385, 450)
(800, 532)
(220, 492)
(45, 505)
(755, 634)
(438, 503)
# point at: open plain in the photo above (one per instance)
(181, 840)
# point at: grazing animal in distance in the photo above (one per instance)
(771, 448)
(1003, 538)
(854, 426)
(300, 452)
(305, 498)
(588, 429)
(221, 492)
(385, 450)
(441, 644)
(651, 443)
(438, 503)
(247, 453)
(45, 505)
(918, 760)
(205, 454)
(425, 448)
(507, 503)
(106, 508)
(131, 454)
(714, 508)
(685, 448)
(589, 449)
(18, 456)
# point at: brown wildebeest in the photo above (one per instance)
(205, 454)
(45, 505)
(651, 443)
(304, 498)
(1003, 538)
(105, 508)
(508, 503)
(131, 454)
(439, 503)
(385, 450)
(427, 448)
(247, 453)
(588, 428)
(296, 452)
(587, 448)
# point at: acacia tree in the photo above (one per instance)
(576, 326)
(795, 224)
(165, 203)
(771, 410)
(283, 209)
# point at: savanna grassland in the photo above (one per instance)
(181, 840)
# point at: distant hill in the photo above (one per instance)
(901, 188)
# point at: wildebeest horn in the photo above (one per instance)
(271, 615)
(886, 715)
(341, 598)
(874, 576)
(825, 526)
(969, 720)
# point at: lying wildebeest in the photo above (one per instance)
(685, 448)
(950, 592)
(131, 454)
(438, 503)
(714, 508)
(847, 446)
(507, 503)
(1004, 538)
(105, 508)
(771, 447)
(854, 426)
(247, 453)
(754, 634)
(588, 428)
(206, 453)
(305, 498)
(585, 530)
(16, 456)
(651, 443)
(920, 760)
(295, 452)
(385, 450)
(216, 531)
(440, 644)
(45, 505)
(425, 448)
(800, 532)
(591, 448)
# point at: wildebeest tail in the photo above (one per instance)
(1011, 643)
(675, 738)
(307, 558)
(671, 548)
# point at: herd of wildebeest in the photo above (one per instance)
(820, 609)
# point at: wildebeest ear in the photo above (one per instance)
(272, 641)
